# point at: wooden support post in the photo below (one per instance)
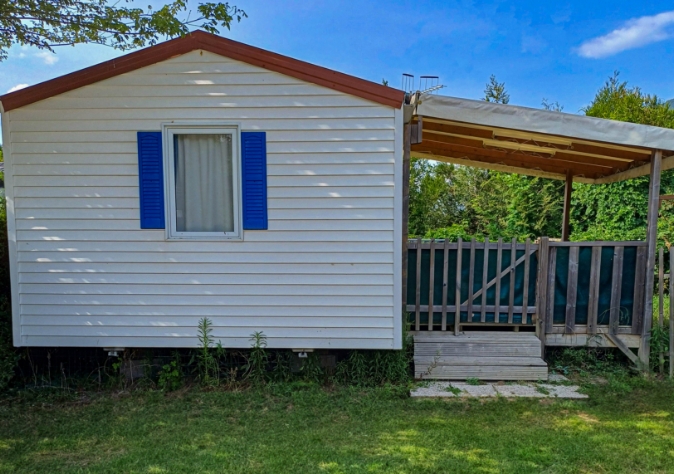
(485, 270)
(445, 269)
(417, 308)
(457, 314)
(407, 132)
(513, 267)
(593, 299)
(639, 282)
(542, 289)
(661, 301)
(571, 291)
(568, 190)
(651, 241)
(431, 286)
(552, 279)
(671, 313)
(616, 288)
(525, 285)
(499, 264)
(471, 281)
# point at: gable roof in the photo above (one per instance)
(200, 40)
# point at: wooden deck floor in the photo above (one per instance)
(479, 354)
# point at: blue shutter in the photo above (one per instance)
(151, 180)
(254, 180)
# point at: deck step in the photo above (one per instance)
(484, 372)
(480, 354)
(476, 360)
(484, 349)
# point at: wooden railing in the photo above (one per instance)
(569, 287)
(455, 284)
(591, 287)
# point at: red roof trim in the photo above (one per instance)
(215, 44)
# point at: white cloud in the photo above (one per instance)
(47, 57)
(17, 87)
(634, 33)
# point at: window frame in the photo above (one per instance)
(169, 130)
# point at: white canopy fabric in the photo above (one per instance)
(535, 142)
(544, 121)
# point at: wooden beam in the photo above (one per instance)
(452, 145)
(568, 190)
(598, 340)
(608, 150)
(643, 170)
(615, 339)
(651, 239)
(463, 161)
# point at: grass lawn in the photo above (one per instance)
(624, 427)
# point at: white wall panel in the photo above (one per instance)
(322, 276)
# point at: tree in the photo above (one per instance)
(552, 106)
(433, 203)
(495, 91)
(617, 211)
(46, 24)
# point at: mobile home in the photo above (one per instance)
(204, 178)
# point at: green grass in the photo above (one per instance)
(626, 426)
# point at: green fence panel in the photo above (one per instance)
(465, 275)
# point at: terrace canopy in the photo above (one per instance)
(536, 142)
(545, 144)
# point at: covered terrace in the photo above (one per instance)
(571, 292)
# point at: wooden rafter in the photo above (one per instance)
(528, 153)
(460, 148)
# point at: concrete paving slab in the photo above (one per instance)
(525, 390)
(486, 390)
(434, 389)
(557, 378)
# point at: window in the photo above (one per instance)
(202, 165)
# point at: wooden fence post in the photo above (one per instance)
(542, 289)
(651, 240)
(671, 313)
(457, 315)
(661, 302)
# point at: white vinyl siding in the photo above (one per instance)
(325, 275)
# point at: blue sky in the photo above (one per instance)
(562, 51)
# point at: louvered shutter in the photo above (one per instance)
(254, 180)
(151, 180)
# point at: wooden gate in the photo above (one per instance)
(591, 288)
(452, 285)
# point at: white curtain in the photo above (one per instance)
(203, 176)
